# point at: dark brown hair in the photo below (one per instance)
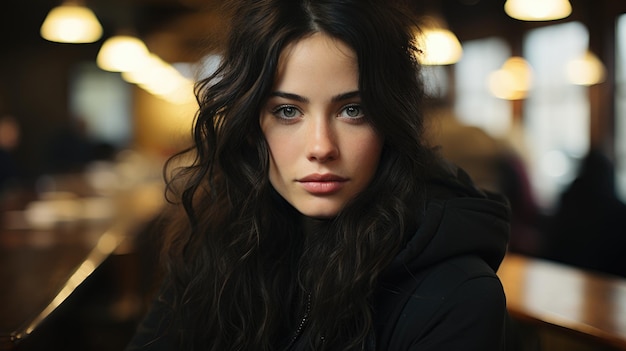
(241, 270)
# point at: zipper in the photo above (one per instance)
(302, 324)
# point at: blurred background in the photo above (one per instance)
(528, 96)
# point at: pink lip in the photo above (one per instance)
(322, 184)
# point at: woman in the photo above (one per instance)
(315, 217)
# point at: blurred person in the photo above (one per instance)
(588, 228)
(313, 216)
(494, 166)
(70, 149)
(469, 147)
(527, 221)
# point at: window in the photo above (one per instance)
(620, 108)
(556, 112)
(102, 100)
(474, 104)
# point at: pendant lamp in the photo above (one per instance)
(585, 70)
(122, 53)
(538, 10)
(513, 81)
(438, 44)
(71, 22)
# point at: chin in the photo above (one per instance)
(322, 212)
(321, 216)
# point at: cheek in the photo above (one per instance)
(281, 151)
(369, 151)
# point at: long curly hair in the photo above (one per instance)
(242, 272)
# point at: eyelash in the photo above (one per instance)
(357, 106)
(279, 112)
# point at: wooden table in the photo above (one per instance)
(581, 303)
(41, 265)
(45, 258)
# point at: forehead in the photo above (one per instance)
(319, 41)
(318, 56)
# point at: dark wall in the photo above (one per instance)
(34, 80)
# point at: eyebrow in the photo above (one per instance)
(296, 97)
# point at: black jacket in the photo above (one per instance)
(441, 292)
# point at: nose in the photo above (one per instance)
(322, 141)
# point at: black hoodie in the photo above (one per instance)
(441, 292)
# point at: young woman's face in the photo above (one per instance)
(323, 150)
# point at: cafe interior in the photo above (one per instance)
(528, 96)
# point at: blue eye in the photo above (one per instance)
(286, 112)
(352, 111)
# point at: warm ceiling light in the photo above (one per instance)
(438, 45)
(161, 79)
(512, 81)
(586, 70)
(122, 53)
(71, 23)
(538, 10)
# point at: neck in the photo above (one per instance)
(313, 226)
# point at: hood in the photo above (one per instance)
(458, 219)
